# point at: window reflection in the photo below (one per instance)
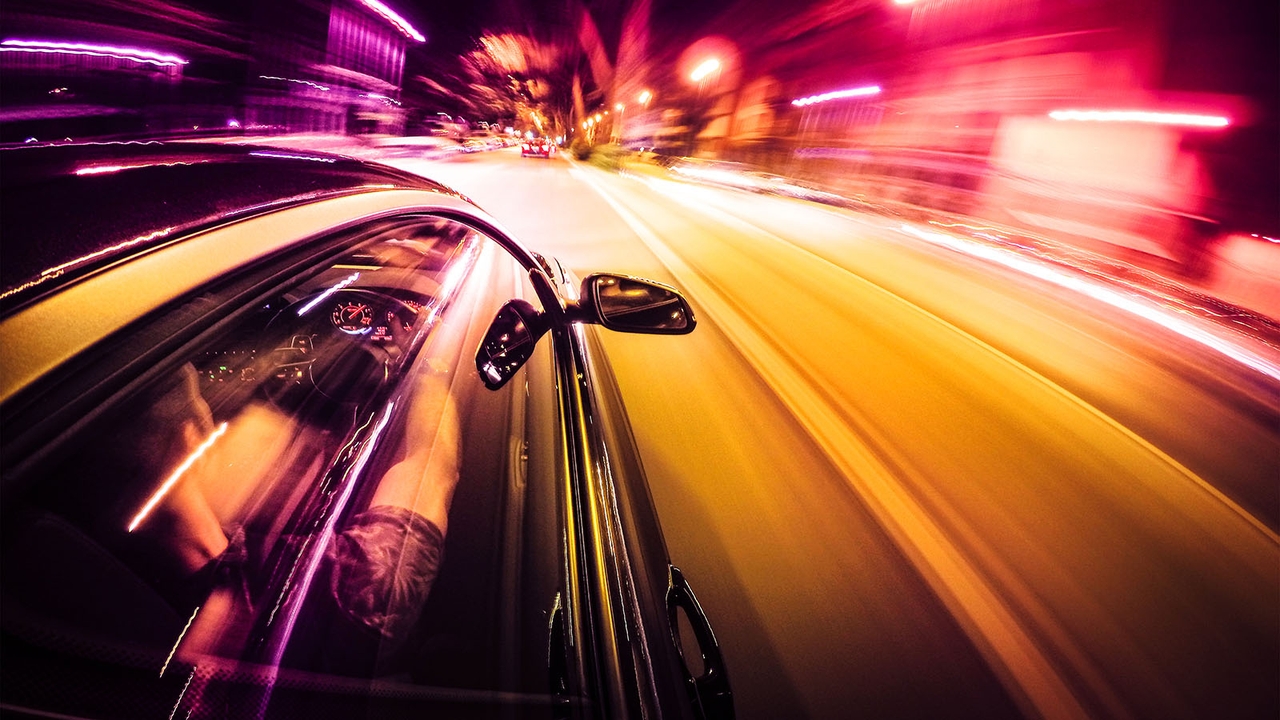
(286, 495)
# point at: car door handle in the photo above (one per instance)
(710, 692)
(558, 662)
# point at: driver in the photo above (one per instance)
(376, 573)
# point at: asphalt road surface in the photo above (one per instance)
(913, 474)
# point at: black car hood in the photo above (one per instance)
(67, 209)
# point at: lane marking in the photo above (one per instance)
(728, 219)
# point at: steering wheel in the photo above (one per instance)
(313, 360)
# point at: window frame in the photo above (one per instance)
(77, 390)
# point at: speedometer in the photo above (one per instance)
(404, 316)
(355, 318)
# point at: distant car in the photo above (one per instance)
(538, 147)
(292, 435)
(422, 147)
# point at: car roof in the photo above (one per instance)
(69, 209)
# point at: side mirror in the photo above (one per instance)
(509, 342)
(629, 304)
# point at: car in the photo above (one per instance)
(423, 147)
(537, 147)
(288, 434)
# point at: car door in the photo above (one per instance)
(286, 492)
(652, 647)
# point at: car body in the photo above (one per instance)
(221, 362)
(538, 147)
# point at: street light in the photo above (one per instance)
(645, 97)
(619, 107)
(706, 68)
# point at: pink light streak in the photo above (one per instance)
(172, 480)
(837, 95)
(1142, 116)
(1127, 302)
(390, 16)
(120, 53)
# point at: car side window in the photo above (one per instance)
(324, 489)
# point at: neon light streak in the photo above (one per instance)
(390, 16)
(105, 169)
(290, 156)
(177, 644)
(1104, 294)
(168, 484)
(295, 80)
(56, 270)
(120, 53)
(309, 562)
(837, 95)
(1142, 116)
(321, 298)
(177, 705)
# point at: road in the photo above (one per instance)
(911, 474)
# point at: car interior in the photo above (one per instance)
(173, 523)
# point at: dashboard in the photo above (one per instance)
(339, 344)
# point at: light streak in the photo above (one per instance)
(58, 269)
(390, 16)
(384, 98)
(183, 694)
(291, 156)
(319, 541)
(727, 177)
(172, 480)
(120, 53)
(1141, 116)
(295, 80)
(105, 169)
(321, 297)
(1104, 294)
(837, 95)
(181, 635)
(705, 69)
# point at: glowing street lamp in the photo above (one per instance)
(706, 68)
(400, 23)
(645, 97)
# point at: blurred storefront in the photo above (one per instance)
(97, 68)
(333, 67)
(1068, 117)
